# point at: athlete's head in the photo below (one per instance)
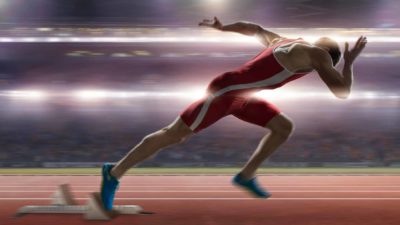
(331, 47)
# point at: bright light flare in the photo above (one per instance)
(289, 94)
(191, 94)
(215, 3)
(92, 95)
(195, 93)
(183, 39)
(203, 36)
(27, 94)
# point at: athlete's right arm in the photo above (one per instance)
(266, 37)
(339, 83)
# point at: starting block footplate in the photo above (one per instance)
(63, 202)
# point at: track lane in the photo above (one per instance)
(300, 208)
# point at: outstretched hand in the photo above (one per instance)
(350, 55)
(214, 23)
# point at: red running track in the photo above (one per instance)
(211, 200)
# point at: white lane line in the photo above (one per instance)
(212, 199)
(207, 186)
(213, 191)
(394, 174)
(129, 186)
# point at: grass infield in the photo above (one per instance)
(200, 171)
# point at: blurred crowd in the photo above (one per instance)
(32, 142)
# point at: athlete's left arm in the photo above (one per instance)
(265, 36)
(339, 83)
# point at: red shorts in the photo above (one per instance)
(250, 109)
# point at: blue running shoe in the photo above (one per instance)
(250, 185)
(109, 186)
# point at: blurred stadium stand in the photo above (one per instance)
(86, 141)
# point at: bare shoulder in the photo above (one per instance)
(318, 56)
(313, 50)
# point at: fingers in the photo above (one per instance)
(361, 42)
(351, 55)
(358, 46)
(346, 46)
(358, 41)
(215, 19)
(206, 22)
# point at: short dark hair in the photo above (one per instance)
(335, 54)
(332, 46)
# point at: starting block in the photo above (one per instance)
(63, 202)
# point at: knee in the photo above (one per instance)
(289, 128)
(283, 127)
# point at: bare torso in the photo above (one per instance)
(295, 57)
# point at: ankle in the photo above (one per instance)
(115, 173)
(246, 176)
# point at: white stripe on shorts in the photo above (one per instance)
(276, 79)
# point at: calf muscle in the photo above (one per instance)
(151, 144)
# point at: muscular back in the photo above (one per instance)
(295, 57)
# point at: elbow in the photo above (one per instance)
(342, 96)
(343, 93)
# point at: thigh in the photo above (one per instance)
(206, 111)
(257, 111)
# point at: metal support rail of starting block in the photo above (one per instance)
(64, 203)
